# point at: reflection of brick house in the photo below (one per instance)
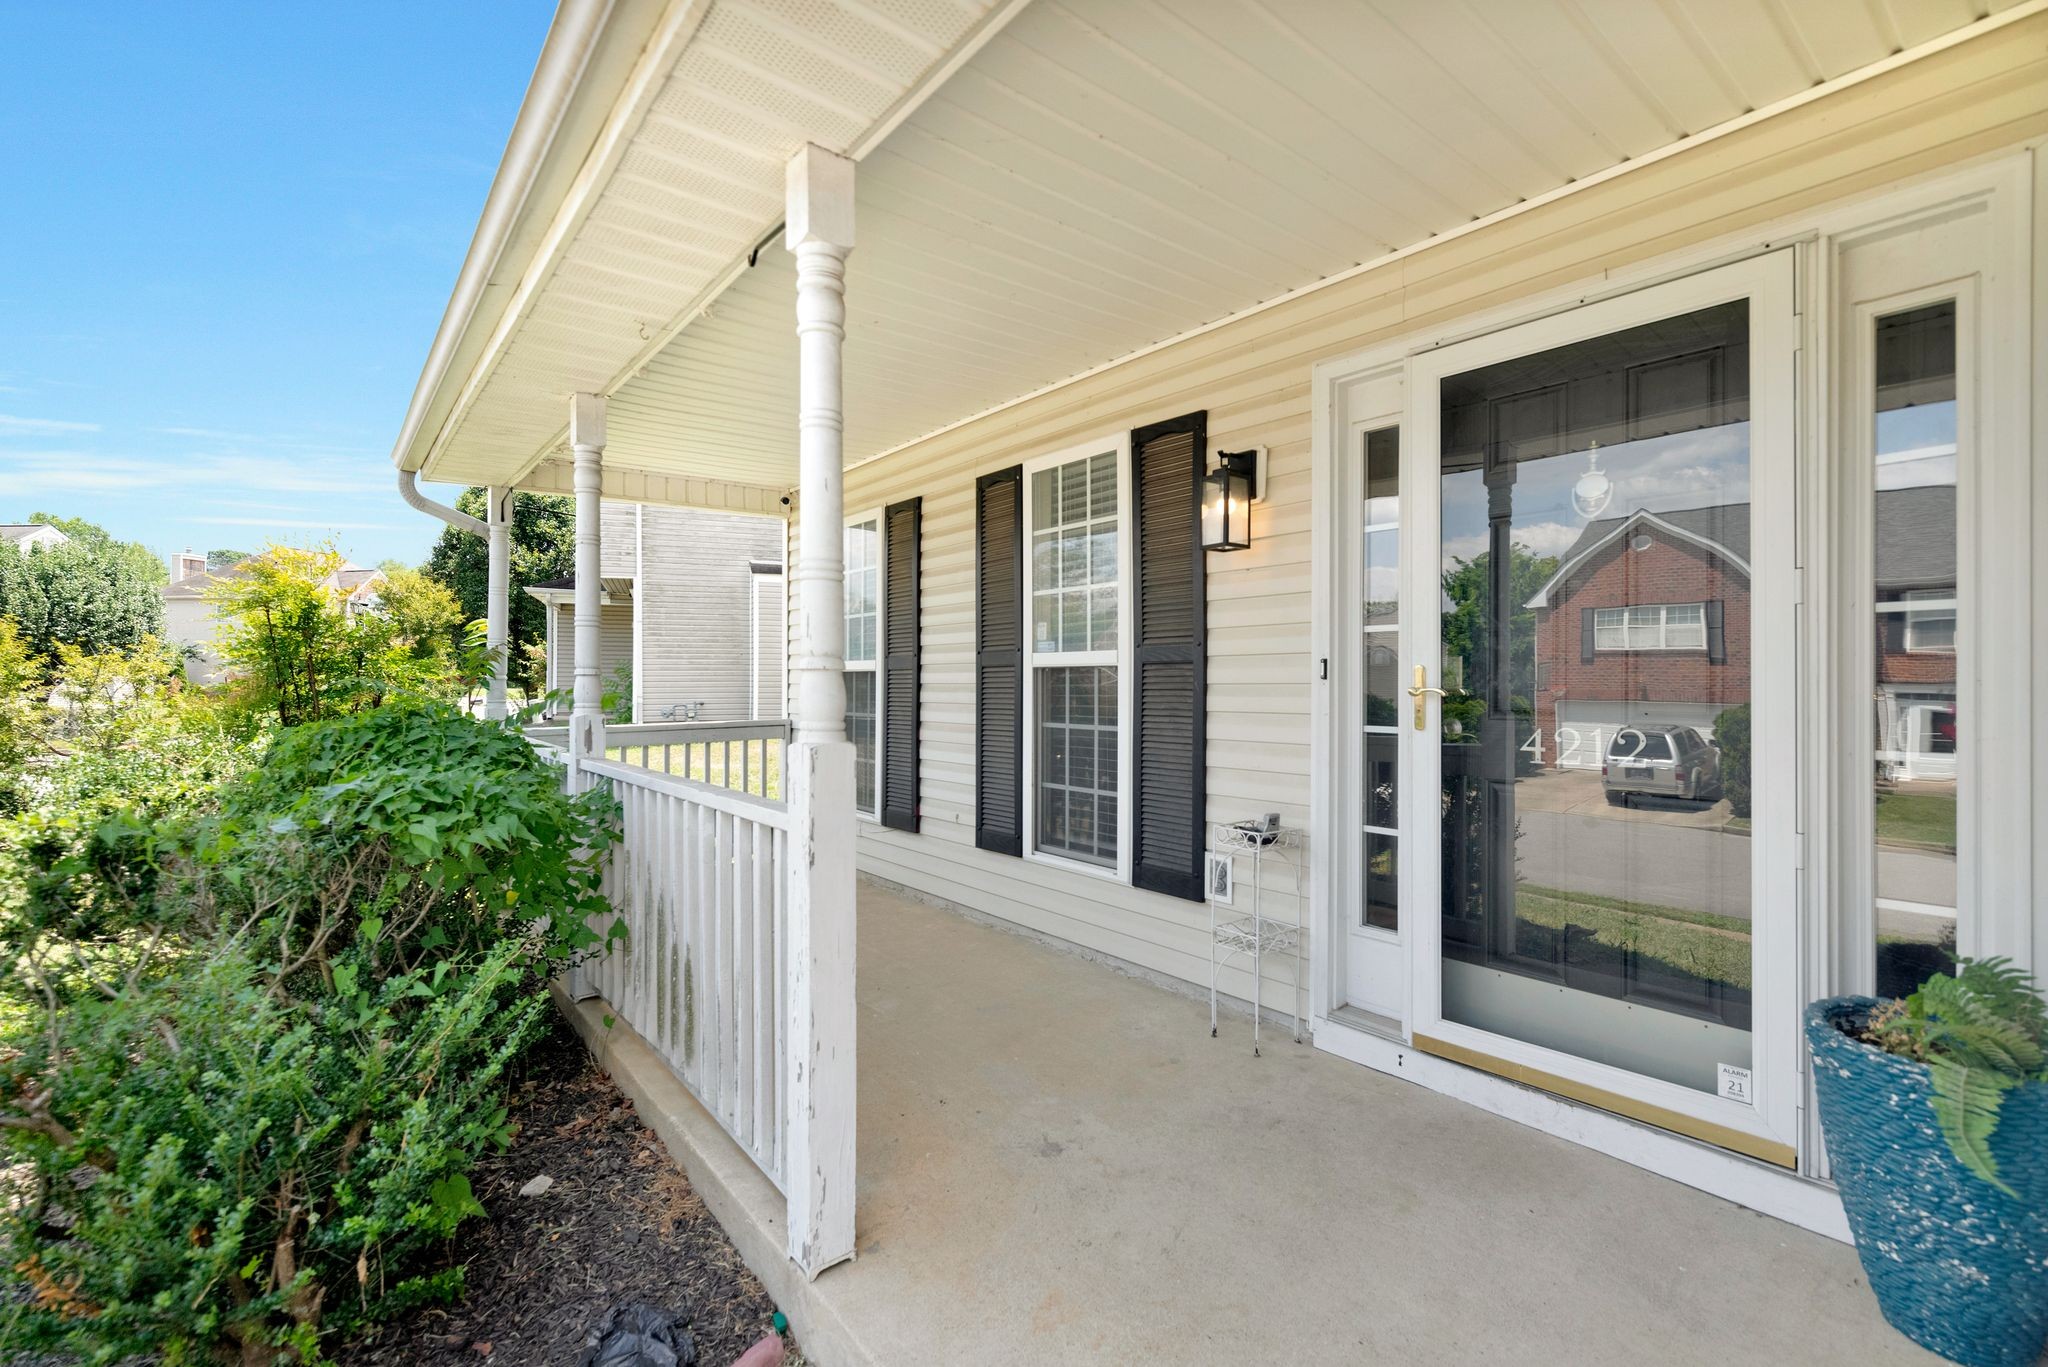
(1645, 620)
(1915, 666)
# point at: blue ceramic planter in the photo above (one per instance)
(1958, 1266)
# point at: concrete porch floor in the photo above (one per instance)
(1058, 1165)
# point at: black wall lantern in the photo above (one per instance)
(1227, 494)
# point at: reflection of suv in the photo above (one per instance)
(1667, 761)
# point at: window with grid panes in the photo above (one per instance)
(1075, 566)
(863, 616)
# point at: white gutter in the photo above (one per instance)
(571, 39)
(409, 490)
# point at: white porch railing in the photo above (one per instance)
(740, 756)
(698, 876)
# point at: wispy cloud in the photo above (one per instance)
(74, 472)
(299, 524)
(222, 476)
(11, 426)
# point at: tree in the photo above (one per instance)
(92, 591)
(419, 617)
(543, 548)
(285, 635)
(146, 563)
(216, 561)
(297, 649)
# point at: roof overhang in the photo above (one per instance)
(1627, 527)
(1044, 190)
(562, 592)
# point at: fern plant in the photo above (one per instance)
(1981, 1033)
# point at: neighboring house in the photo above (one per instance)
(686, 594)
(191, 623)
(1646, 620)
(27, 536)
(1002, 306)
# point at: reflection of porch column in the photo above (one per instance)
(819, 771)
(586, 440)
(497, 598)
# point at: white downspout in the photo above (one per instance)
(496, 534)
(409, 490)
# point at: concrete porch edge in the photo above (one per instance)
(740, 1196)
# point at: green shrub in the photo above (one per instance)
(1731, 737)
(271, 1036)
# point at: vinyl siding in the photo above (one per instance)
(693, 593)
(614, 643)
(697, 610)
(1253, 378)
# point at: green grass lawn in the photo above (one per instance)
(1927, 820)
(1698, 942)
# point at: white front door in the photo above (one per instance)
(1597, 513)
(1375, 959)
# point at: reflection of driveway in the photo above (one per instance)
(1667, 852)
(1624, 852)
(1580, 791)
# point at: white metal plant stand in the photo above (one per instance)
(1257, 934)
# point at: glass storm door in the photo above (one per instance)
(1598, 508)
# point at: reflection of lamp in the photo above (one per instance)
(1227, 495)
(1595, 490)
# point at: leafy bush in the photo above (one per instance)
(1981, 1033)
(1731, 737)
(20, 669)
(215, 1168)
(272, 1035)
(123, 747)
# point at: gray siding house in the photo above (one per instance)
(684, 594)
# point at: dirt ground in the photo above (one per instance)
(619, 1224)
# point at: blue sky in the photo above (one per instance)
(229, 233)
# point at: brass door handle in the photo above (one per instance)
(1420, 691)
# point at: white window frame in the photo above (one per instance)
(1916, 605)
(872, 665)
(1117, 446)
(1663, 624)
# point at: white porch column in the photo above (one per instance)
(497, 598)
(819, 768)
(586, 715)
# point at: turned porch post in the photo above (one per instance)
(819, 772)
(586, 716)
(497, 598)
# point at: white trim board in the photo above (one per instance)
(1754, 1185)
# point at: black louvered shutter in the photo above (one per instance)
(1717, 634)
(999, 661)
(1170, 655)
(1586, 636)
(901, 527)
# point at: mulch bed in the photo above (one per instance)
(619, 1225)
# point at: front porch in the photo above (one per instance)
(1057, 1164)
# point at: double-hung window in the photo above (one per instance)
(1651, 626)
(864, 572)
(1074, 654)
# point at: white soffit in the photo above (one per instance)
(695, 185)
(1105, 174)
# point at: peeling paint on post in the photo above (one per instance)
(821, 1032)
